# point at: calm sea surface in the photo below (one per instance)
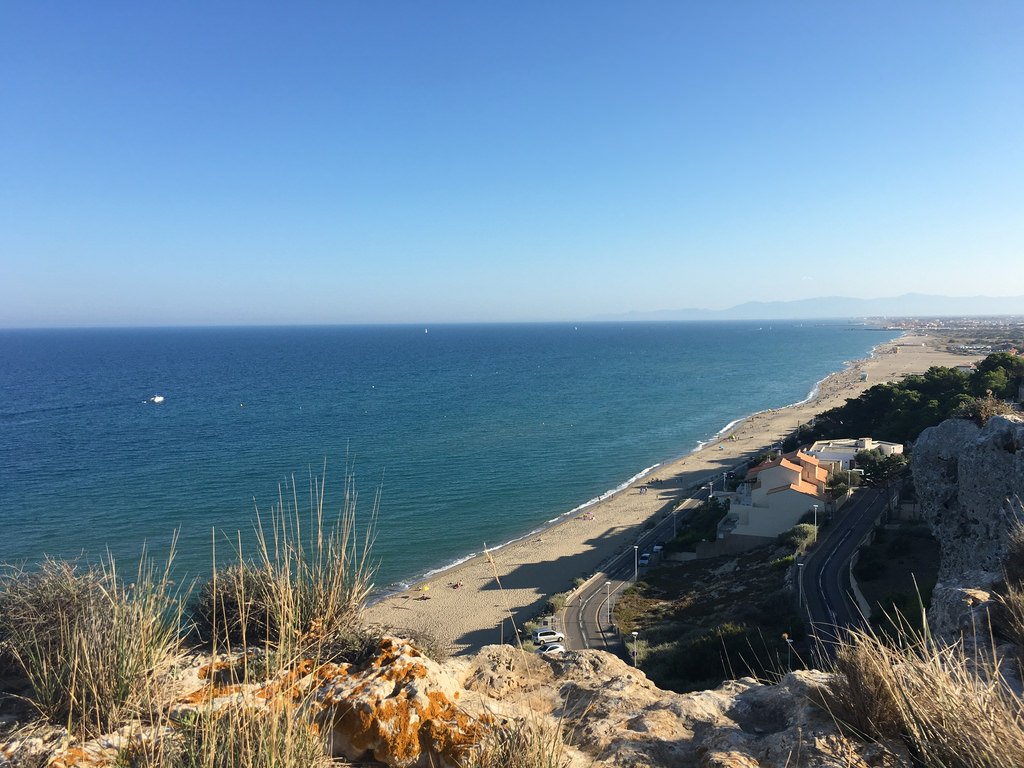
(471, 434)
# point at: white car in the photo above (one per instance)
(542, 636)
(551, 648)
(645, 558)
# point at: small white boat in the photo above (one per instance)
(156, 399)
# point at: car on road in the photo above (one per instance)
(645, 559)
(542, 636)
(658, 547)
(551, 648)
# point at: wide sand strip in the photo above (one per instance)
(530, 571)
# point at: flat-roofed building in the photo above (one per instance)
(842, 453)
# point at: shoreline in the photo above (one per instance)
(517, 577)
(412, 584)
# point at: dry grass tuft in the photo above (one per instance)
(90, 645)
(952, 709)
(303, 593)
(314, 575)
(242, 737)
(520, 745)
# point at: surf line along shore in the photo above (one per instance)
(464, 608)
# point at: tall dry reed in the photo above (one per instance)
(300, 597)
(952, 708)
(316, 573)
(91, 645)
(280, 736)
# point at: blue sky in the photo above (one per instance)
(339, 162)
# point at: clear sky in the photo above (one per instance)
(336, 162)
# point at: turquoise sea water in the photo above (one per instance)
(471, 434)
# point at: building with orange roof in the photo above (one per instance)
(776, 494)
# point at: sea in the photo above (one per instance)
(461, 437)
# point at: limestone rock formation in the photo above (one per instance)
(970, 481)
(589, 708)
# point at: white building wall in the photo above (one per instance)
(787, 507)
(773, 477)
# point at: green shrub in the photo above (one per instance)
(871, 564)
(631, 605)
(556, 603)
(799, 537)
(699, 525)
(782, 563)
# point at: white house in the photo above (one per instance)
(842, 453)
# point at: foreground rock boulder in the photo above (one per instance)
(584, 708)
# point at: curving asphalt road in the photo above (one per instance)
(823, 578)
(585, 620)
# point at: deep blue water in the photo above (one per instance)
(472, 434)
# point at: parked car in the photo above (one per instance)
(645, 558)
(542, 636)
(551, 648)
(658, 547)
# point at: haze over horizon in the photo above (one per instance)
(361, 163)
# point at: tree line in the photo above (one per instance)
(898, 412)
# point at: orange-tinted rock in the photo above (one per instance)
(593, 708)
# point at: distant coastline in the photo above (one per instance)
(844, 309)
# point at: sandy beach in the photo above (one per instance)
(531, 570)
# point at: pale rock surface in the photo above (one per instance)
(407, 711)
(970, 481)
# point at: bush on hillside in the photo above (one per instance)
(556, 603)
(799, 537)
(699, 525)
(981, 409)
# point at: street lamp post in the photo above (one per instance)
(608, 587)
(635, 633)
(636, 562)
(800, 584)
(815, 523)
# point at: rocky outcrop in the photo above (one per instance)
(589, 708)
(970, 481)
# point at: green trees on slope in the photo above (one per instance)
(900, 411)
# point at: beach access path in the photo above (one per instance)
(517, 579)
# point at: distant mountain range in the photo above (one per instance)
(835, 307)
